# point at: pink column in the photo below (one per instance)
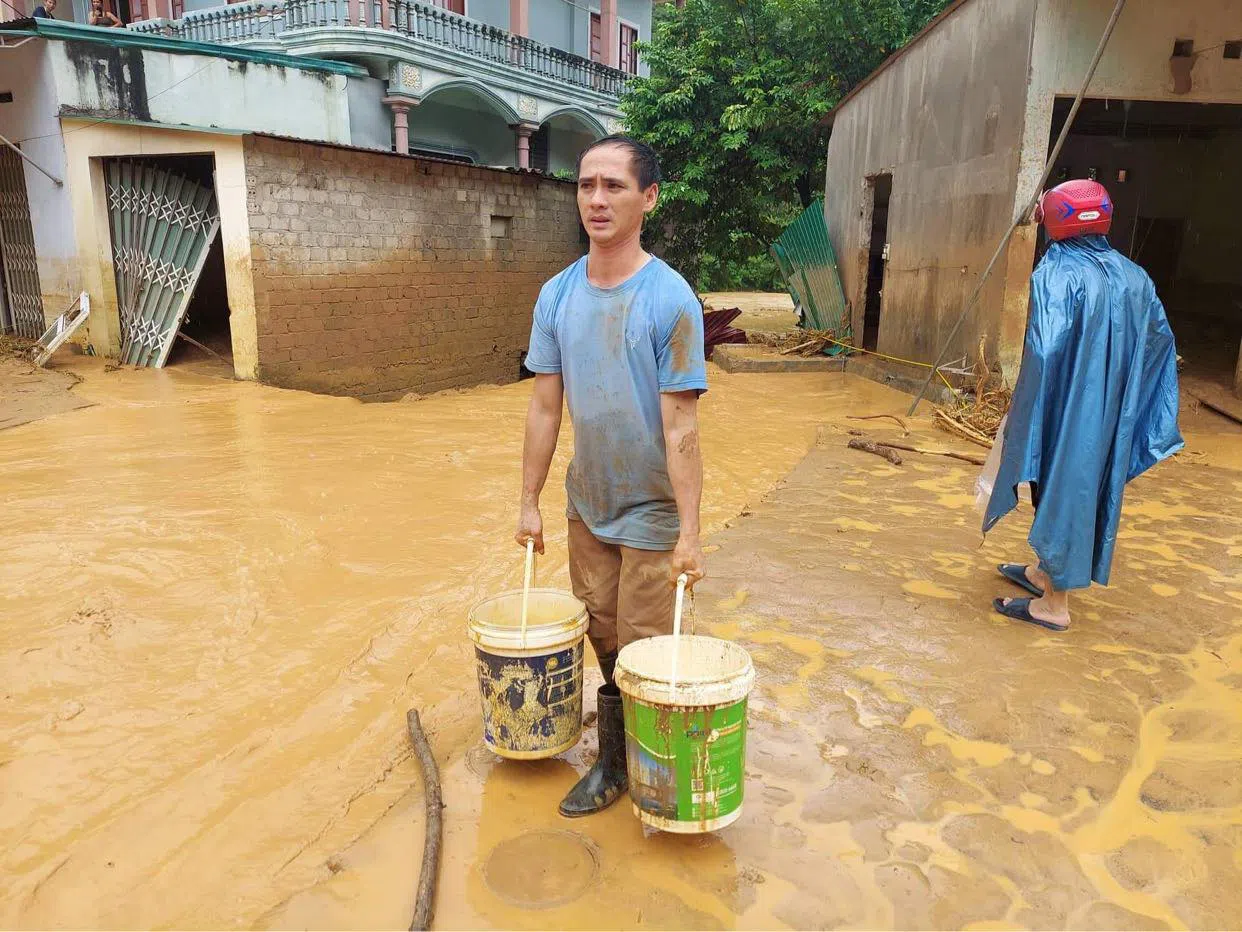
(610, 33)
(400, 107)
(524, 131)
(519, 17)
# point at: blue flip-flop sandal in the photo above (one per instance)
(1020, 610)
(1016, 573)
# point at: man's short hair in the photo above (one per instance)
(643, 158)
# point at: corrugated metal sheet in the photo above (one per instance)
(162, 227)
(808, 264)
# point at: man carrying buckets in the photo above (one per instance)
(618, 338)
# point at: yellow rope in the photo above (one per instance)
(908, 362)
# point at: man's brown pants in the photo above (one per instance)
(627, 592)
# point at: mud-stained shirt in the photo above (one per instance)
(617, 349)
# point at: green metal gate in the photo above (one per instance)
(24, 312)
(808, 264)
(162, 227)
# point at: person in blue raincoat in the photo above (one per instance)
(1094, 407)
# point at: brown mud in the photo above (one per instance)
(28, 393)
(220, 599)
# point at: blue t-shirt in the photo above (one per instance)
(617, 349)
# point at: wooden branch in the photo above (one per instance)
(429, 874)
(870, 446)
(974, 458)
(800, 346)
(956, 426)
(206, 349)
(872, 417)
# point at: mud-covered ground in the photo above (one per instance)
(220, 599)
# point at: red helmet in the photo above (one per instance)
(1075, 208)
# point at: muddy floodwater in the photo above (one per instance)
(220, 599)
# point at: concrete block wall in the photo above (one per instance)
(377, 275)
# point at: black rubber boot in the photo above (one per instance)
(607, 779)
(607, 664)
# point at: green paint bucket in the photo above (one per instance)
(530, 686)
(685, 744)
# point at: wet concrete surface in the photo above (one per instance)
(221, 598)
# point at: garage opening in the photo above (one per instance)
(1172, 171)
(168, 261)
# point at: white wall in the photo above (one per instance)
(493, 12)
(201, 90)
(552, 23)
(370, 122)
(31, 122)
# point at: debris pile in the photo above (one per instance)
(798, 342)
(717, 329)
(977, 415)
(13, 345)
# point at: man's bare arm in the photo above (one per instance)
(543, 426)
(680, 414)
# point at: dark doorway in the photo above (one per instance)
(877, 257)
(1157, 246)
(206, 321)
(1170, 170)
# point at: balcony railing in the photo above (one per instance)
(258, 20)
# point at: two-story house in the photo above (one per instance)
(510, 83)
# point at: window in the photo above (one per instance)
(628, 59)
(453, 6)
(597, 29)
(1184, 48)
(1233, 49)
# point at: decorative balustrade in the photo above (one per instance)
(256, 20)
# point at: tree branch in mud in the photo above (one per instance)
(905, 428)
(429, 874)
(974, 458)
(870, 446)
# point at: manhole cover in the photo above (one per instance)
(541, 869)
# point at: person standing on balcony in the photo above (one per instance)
(101, 17)
(618, 338)
(45, 10)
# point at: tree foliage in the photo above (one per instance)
(734, 103)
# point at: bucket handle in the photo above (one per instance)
(530, 569)
(682, 580)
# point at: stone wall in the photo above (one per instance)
(376, 274)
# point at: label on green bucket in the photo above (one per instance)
(686, 765)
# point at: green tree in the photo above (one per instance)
(734, 104)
